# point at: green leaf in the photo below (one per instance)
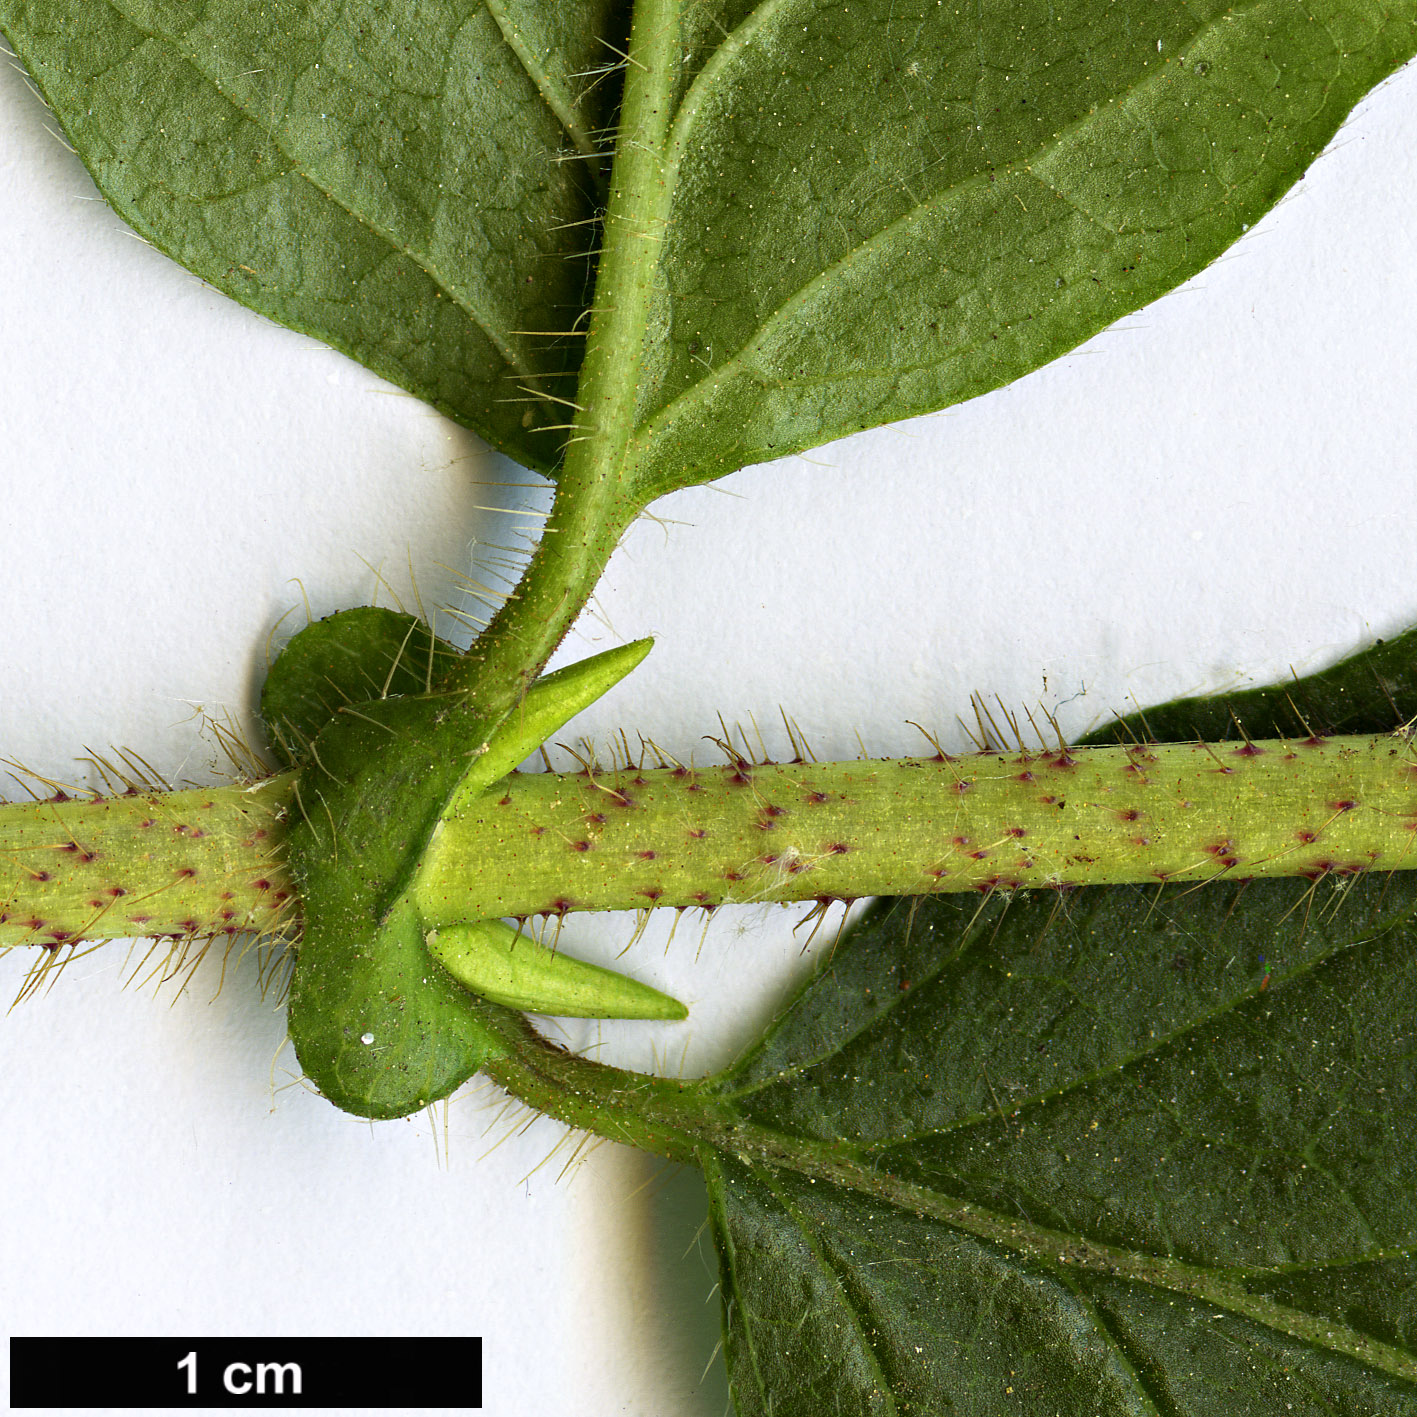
(1366, 692)
(1116, 1151)
(347, 658)
(885, 208)
(403, 180)
(864, 212)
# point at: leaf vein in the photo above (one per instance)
(832, 1267)
(1144, 1391)
(703, 388)
(1223, 1288)
(560, 104)
(506, 350)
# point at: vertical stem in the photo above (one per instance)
(593, 503)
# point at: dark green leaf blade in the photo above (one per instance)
(835, 1303)
(1124, 1150)
(402, 181)
(887, 208)
(1365, 692)
(812, 1269)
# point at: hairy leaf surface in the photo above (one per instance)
(866, 211)
(882, 209)
(1119, 1151)
(401, 180)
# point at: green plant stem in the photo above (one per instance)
(595, 498)
(209, 861)
(1086, 816)
(147, 864)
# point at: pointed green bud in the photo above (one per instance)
(552, 700)
(498, 963)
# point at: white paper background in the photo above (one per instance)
(1215, 491)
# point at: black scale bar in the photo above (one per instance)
(439, 1374)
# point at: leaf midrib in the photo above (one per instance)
(1061, 1253)
(702, 389)
(475, 314)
